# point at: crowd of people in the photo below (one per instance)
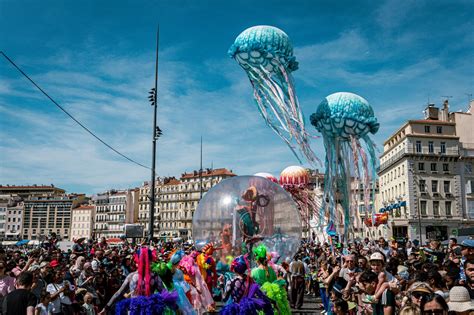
(363, 277)
(390, 277)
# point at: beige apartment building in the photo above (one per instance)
(114, 209)
(176, 200)
(82, 222)
(14, 218)
(420, 176)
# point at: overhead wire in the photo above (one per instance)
(70, 115)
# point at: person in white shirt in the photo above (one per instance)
(60, 291)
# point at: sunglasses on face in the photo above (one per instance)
(419, 295)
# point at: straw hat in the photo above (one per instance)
(459, 300)
(420, 287)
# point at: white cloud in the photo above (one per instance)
(52, 148)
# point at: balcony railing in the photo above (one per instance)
(450, 152)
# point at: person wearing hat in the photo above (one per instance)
(459, 301)
(243, 289)
(419, 290)
(179, 284)
(377, 265)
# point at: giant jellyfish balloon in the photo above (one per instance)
(345, 121)
(266, 55)
(295, 180)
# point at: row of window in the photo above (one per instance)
(81, 218)
(81, 225)
(436, 208)
(419, 147)
(433, 167)
(439, 129)
(393, 192)
(393, 174)
(43, 231)
(434, 186)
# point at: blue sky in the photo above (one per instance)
(96, 58)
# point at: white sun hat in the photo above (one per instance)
(459, 300)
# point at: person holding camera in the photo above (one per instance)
(61, 292)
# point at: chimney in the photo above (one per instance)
(432, 112)
(445, 111)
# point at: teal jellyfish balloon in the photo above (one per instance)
(266, 55)
(345, 120)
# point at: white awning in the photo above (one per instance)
(8, 243)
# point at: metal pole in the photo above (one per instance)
(200, 175)
(151, 219)
(419, 222)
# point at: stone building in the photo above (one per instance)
(176, 200)
(82, 222)
(114, 209)
(420, 175)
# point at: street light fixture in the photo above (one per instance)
(156, 134)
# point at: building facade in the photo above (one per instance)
(82, 222)
(420, 177)
(14, 219)
(114, 209)
(176, 200)
(25, 192)
(44, 215)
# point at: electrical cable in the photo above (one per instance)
(70, 116)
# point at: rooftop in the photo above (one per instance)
(208, 173)
(29, 187)
(84, 207)
(172, 181)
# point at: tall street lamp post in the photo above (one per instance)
(156, 134)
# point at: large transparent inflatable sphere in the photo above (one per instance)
(242, 212)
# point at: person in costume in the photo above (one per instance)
(249, 226)
(226, 239)
(274, 257)
(198, 295)
(262, 273)
(207, 265)
(245, 295)
(265, 276)
(223, 274)
(142, 285)
(173, 279)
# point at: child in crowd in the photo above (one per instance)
(44, 307)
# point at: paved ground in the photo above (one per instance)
(310, 306)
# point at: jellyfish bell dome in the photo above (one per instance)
(344, 115)
(267, 176)
(245, 210)
(263, 45)
(294, 176)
